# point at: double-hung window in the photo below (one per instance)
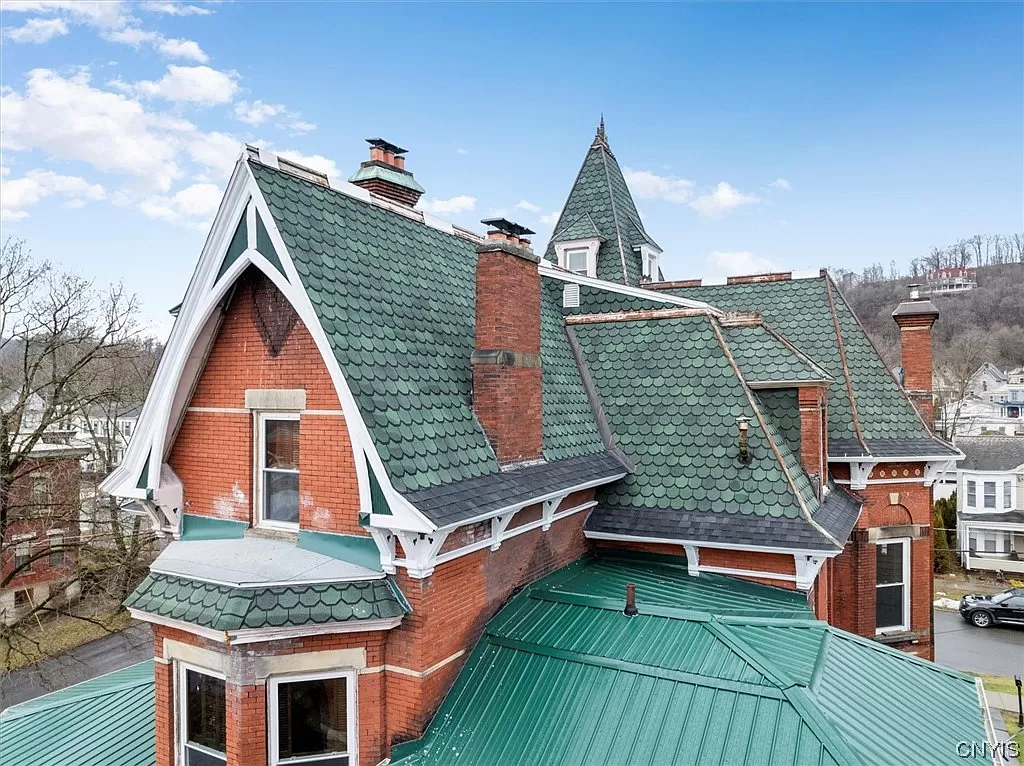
(312, 719)
(278, 469)
(1007, 494)
(202, 726)
(892, 585)
(972, 494)
(23, 555)
(650, 265)
(56, 548)
(990, 494)
(576, 261)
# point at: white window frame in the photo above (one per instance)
(61, 538)
(972, 502)
(1007, 495)
(259, 458)
(905, 626)
(352, 704)
(591, 246)
(181, 710)
(649, 258)
(984, 494)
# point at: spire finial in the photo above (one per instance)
(601, 139)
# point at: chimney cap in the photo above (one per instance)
(387, 146)
(506, 226)
(917, 307)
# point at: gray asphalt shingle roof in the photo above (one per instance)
(991, 453)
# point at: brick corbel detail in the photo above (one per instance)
(813, 402)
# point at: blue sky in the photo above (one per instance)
(755, 136)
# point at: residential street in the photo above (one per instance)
(95, 658)
(997, 650)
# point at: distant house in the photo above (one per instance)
(106, 430)
(990, 503)
(951, 280)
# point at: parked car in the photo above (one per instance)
(1004, 608)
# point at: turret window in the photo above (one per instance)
(278, 463)
(576, 261)
(312, 719)
(203, 725)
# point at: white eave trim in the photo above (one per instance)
(896, 458)
(254, 585)
(547, 269)
(254, 635)
(703, 544)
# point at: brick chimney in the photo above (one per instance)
(813, 401)
(384, 174)
(506, 360)
(915, 318)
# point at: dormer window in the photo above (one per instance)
(649, 260)
(578, 256)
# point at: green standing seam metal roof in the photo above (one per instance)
(712, 671)
(106, 721)
(599, 204)
(807, 312)
(396, 299)
(655, 379)
(227, 608)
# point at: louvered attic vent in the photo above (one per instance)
(571, 295)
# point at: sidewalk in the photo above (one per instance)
(1002, 700)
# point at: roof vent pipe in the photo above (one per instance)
(630, 610)
(744, 424)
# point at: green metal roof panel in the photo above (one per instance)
(562, 676)
(800, 310)
(227, 608)
(655, 379)
(369, 172)
(195, 526)
(106, 721)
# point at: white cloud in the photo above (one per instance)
(176, 48)
(648, 185)
(551, 218)
(20, 193)
(462, 203)
(740, 262)
(298, 127)
(68, 118)
(133, 36)
(215, 152)
(194, 84)
(193, 206)
(257, 112)
(723, 199)
(528, 206)
(102, 14)
(314, 161)
(781, 183)
(177, 9)
(462, 151)
(37, 31)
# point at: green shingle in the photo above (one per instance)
(781, 407)
(764, 358)
(239, 242)
(712, 670)
(600, 204)
(222, 607)
(396, 299)
(672, 400)
(799, 310)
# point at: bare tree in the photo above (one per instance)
(66, 348)
(955, 366)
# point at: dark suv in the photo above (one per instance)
(1002, 608)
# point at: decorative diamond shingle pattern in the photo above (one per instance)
(396, 299)
(223, 607)
(672, 400)
(601, 194)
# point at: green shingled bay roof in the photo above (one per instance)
(226, 608)
(813, 316)
(712, 670)
(106, 721)
(766, 358)
(403, 334)
(600, 205)
(656, 379)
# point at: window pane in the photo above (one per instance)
(312, 718)
(196, 757)
(972, 494)
(889, 563)
(1006, 494)
(990, 494)
(281, 496)
(990, 543)
(282, 444)
(889, 606)
(576, 261)
(204, 711)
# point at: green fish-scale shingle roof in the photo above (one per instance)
(657, 380)
(227, 608)
(600, 200)
(801, 310)
(764, 358)
(712, 670)
(396, 299)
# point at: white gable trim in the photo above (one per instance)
(591, 245)
(194, 331)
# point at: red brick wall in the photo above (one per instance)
(507, 399)
(213, 451)
(853, 582)
(916, 360)
(813, 429)
(26, 516)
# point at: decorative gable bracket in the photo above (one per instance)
(936, 469)
(859, 473)
(421, 549)
(807, 568)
